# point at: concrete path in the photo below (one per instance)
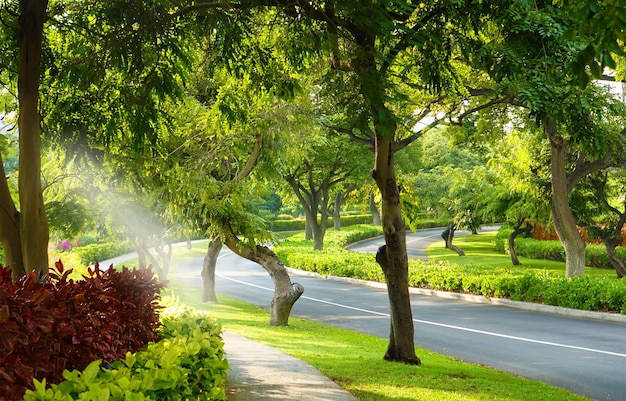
(259, 372)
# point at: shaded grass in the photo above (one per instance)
(354, 360)
(480, 251)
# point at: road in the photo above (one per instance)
(583, 355)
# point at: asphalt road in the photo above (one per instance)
(583, 355)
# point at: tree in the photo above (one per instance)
(521, 198)
(608, 222)
(88, 47)
(314, 177)
(573, 119)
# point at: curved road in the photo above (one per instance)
(582, 355)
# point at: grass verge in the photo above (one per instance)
(354, 360)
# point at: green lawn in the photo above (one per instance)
(355, 360)
(480, 250)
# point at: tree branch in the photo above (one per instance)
(252, 160)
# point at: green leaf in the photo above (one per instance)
(90, 372)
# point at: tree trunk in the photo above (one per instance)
(564, 221)
(10, 229)
(34, 232)
(512, 253)
(208, 270)
(614, 260)
(392, 257)
(162, 268)
(339, 199)
(308, 228)
(374, 210)
(448, 236)
(517, 230)
(286, 293)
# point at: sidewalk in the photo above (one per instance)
(259, 372)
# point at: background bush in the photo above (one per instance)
(92, 253)
(595, 254)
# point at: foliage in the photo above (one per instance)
(61, 324)
(188, 363)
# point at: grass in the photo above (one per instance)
(479, 251)
(355, 362)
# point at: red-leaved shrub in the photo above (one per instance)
(61, 324)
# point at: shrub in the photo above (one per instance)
(188, 363)
(93, 253)
(589, 293)
(595, 254)
(48, 327)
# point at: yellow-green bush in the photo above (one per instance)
(188, 363)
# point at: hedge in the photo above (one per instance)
(595, 255)
(587, 293)
(188, 363)
(92, 253)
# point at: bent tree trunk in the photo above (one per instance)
(517, 230)
(286, 293)
(614, 260)
(208, 270)
(163, 267)
(564, 221)
(34, 233)
(448, 236)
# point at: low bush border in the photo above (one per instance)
(585, 293)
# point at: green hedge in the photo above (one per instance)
(595, 255)
(92, 253)
(188, 363)
(297, 224)
(587, 293)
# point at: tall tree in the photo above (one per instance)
(374, 43)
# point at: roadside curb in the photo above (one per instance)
(479, 299)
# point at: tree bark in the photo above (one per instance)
(374, 210)
(308, 228)
(312, 200)
(517, 230)
(286, 293)
(448, 236)
(10, 228)
(614, 260)
(163, 267)
(208, 270)
(34, 233)
(392, 257)
(562, 216)
(338, 202)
